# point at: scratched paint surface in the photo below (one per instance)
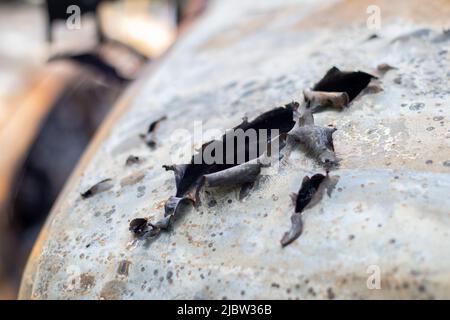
(390, 207)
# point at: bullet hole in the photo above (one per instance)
(99, 187)
(446, 163)
(430, 128)
(438, 118)
(351, 237)
(350, 82)
(149, 137)
(190, 178)
(429, 162)
(275, 285)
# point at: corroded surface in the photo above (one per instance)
(390, 207)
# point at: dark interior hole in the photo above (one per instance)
(280, 118)
(336, 80)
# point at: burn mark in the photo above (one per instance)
(350, 82)
(149, 137)
(99, 187)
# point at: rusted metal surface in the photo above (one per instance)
(389, 207)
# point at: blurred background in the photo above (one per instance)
(61, 70)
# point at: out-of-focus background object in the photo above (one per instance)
(56, 86)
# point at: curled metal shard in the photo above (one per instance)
(243, 173)
(318, 141)
(308, 190)
(295, 231)
(321, 99)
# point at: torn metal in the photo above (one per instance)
(336, 90)
(190, 178)
(317, 140)
(320, 99)
(350, 82)
(311, 192)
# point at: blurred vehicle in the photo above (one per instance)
(56, 87)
